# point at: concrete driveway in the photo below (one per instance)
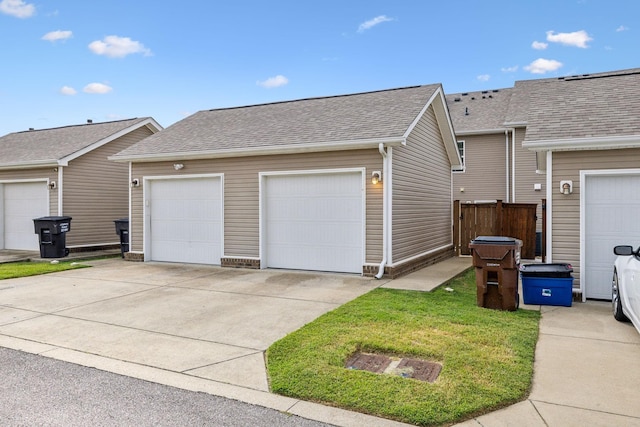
(198, 322)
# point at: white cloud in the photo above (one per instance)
(621, 28)
(17, 8)
(539, 45)
(577, 38)
(373, 22)
(272, 82)
(67, 90)
(543, 66)
(118, 47)
(509, 69)
(98, 88)
(53, 36)
(484, 77)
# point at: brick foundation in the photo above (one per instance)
(240, 263)
(409, 267)
(133, 256)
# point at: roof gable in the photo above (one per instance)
(316, 124)
(58, 146)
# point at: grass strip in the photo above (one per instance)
(14, 270)
(487, 355)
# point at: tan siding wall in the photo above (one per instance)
(421, 192)
(96, 192)
(526, 177)
(241, 194)
(42, 173)
(566, 209)
(485, 172)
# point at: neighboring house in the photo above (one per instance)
(581, 132)
(496, 165)
(289, 185)
(65, 171)
(586, 132)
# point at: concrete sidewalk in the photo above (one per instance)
(205, 329)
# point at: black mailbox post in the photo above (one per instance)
(52, 232)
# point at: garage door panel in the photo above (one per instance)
(314, 222)
(186, 220)
(612, 204)
(22, 203)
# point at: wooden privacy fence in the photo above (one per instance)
(516, 220)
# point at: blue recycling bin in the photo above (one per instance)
(547, 284)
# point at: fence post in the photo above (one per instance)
(456, 227)
(499, 217)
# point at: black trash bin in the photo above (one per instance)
(496, 260)
(52, 232)
(547, 284)
(122, 230)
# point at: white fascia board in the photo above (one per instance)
(596, 143)
(33, 164)
(149, 122)
(481, 132)
(263, 151)
(516, 124)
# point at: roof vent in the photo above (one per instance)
(465, 94)
(495, 90)
(485, 91)
(31, 129)
(457, 99)
(473, 98)
(89, 121)
(466, 111)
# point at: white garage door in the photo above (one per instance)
(314, 222)
(185, 220)
(22, 202)
(612, 205)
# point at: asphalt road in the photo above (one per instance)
(40, 391)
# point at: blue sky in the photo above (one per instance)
(67, 61)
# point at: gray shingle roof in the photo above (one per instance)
(478, 111)
(300, 123)
(50, 145)
(585, 106)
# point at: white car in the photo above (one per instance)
(625, 288)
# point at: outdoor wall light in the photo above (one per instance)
(566, 187)
(376, 177)
(135, 182)
(178, 166)
(52, 185)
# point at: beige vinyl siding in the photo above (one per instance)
(241, 194)
(39, 174)
(484, 177)
(421, 192)
(96, 192)
(566, 209)
(526, 177)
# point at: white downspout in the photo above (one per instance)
(513, 165)
(385, 210)
(60, 188)
(506, 160)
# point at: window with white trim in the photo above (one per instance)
(461, 147)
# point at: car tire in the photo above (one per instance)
(616, 302)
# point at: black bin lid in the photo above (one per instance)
(53, 218)
(493, 240)
(546, 268)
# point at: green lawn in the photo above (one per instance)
(22, 269)
(487, 355)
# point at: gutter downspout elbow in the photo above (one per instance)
(385, 213)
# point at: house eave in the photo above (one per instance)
(481, 132)
(33, 164)
(588, 143)
(264, 151)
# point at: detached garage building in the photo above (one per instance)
(65, 171)
(289, 185)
